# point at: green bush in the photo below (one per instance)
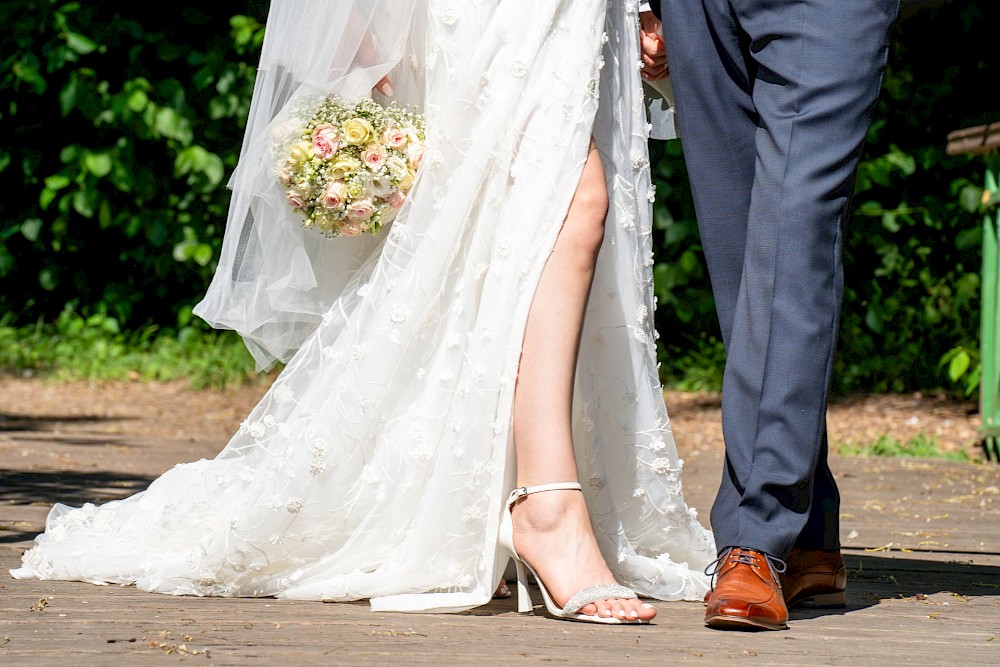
(120, 132)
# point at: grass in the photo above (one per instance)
(94, 348)
(920, 446)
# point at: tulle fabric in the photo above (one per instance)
(274, 281)
(377, 464)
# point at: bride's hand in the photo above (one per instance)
(654, 51)
(383, 86)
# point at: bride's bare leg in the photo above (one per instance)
(552, 530)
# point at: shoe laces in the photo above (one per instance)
(745, 557)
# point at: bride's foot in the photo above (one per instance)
(552, 533)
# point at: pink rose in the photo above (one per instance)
(415, 154)
(351, 228)
(325, 141)
(396, 199)
(394, 138)
(374, 157)
(334, 195)
(361, 210)
(295, 199)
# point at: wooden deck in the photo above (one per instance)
(923, 542)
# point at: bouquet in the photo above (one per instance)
(350, 167)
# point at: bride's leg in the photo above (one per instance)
(552, 530)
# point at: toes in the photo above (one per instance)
(633, 611)
(604, 609)
(625, 610)
(646, 612)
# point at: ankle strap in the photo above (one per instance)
(523, 491)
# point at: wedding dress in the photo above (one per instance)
(378, 463)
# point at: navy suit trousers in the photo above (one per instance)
(773, 102)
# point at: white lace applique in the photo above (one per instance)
(449, 16)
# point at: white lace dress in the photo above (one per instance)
(377, 464)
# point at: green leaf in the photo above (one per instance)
(889, 221)
(67, 96)
(4, 160)
(99, 164)
(959, 364)
(79, 43)
(83, 202)
(873, 320)
(30, 228)
(202, 254)
(970, 198)
(46, 197)
(903, 162)
(104, 215)
(689, 261)
(969, 238)
(48, 279)
(57, 182)
(137, 101)
(69, 154)
(167, 122)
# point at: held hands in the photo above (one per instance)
(654, 51)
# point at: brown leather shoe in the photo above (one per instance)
(747, 594)
(814, 578)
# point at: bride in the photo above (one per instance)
(439, 365)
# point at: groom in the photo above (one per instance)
(773, 100)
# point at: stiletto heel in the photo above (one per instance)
(523, 596)
(569, 612)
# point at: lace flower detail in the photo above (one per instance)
(472, 514)
(399, 313)
(449, 16)
(519, 69)
(317, 467)
(661, 466)
(318, 447)
(294, 505)
(256, 430)
(283, 394)
(639, 160)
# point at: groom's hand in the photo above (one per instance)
(654, 51)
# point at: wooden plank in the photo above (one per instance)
(925, 606)
(974, 140)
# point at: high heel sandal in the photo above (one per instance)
(570, 611)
